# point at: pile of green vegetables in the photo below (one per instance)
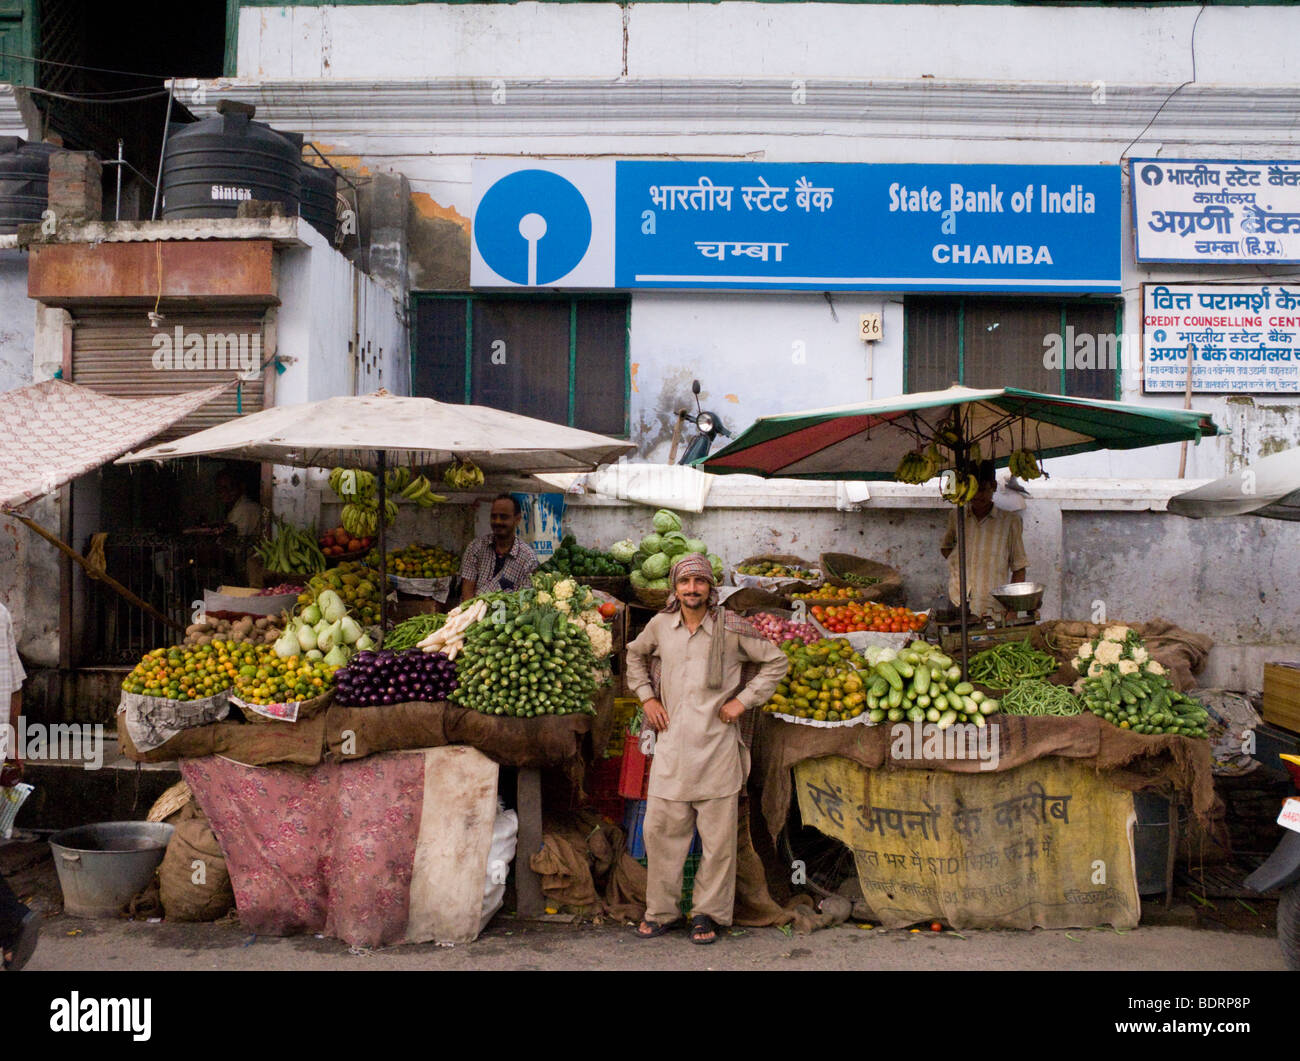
(1033, 696)
(1002, 666)
(413, 631)
(572, 559)
(1144, 703)
(650, 561)
(526, 659)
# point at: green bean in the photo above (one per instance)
(1033, 696)
(1004, 665)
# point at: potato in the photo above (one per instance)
(203, 639)
(197, 628)
(271, 637)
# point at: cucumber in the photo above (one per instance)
(895, 714)
(875, 715)
(880, 687)
(915, 714)
(938, 659)
(895, 697)
(988, 707)
(921, 683)
(955, 702)
(905, 670)
(933, 715)
(963, 688)
(947, 719)
(979, 720)
(886, 671)
(922, 701)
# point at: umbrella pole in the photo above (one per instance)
(383, 551)
(961, 584)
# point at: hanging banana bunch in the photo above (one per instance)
(1023, 464)
(919, 467)
(960, 488)
(463, 474)
(420, 490)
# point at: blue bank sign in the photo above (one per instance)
(796, 226)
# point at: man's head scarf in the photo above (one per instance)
(695, 564)
(691, 564)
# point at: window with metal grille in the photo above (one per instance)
(560, 359)
(1065, 347)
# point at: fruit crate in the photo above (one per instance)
(601, 786)
(689, 869)
(634, 827)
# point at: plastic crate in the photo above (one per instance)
(634, 777)
(634, 827)
(689, 869)
(601, 786)
(625, 709)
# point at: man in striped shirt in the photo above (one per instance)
(994, 546)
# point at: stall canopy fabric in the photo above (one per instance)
(55, 431)
(1270, 488)
(417, 432)
(867, 440)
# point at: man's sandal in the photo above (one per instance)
(24, 944)
(704, 930)
(656, 928)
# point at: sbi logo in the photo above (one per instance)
(532, 227)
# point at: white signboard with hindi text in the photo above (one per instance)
(1199, 210)
(1241, 338)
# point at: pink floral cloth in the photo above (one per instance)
(328, 849)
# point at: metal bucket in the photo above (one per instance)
(101, 867)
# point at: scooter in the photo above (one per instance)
(1282, 870)
(708, 424)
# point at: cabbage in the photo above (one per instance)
(639, 581)
(658, 583)
(656, 567)
(651, 544)
(667, 520)
(623, 551)
(716, 561)
(696, 545)
(675, 547)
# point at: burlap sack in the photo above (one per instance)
(193, 879)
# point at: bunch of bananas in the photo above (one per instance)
(960, 488)
(352, 483)
(1023, 464)
(397, 479)
(360, 521)
(420, 490)
(919, 467)
(463, 475)
(290, 551)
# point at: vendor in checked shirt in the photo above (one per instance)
(498, 561)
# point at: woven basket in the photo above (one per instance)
(615, 585)
(771, 583)
(888, 590)
(307, 709)
(169, 802)
(651, 598)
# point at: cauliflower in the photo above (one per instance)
(1154, 668)
(1095, 669)
(1139, 654)
(1115, 633)
(1085, 650)
(562, 605)
(1108, 653)
(564, 590)
(1127, 666)
(602, 643)
(591, 617)
(544, 598)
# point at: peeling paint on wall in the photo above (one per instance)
(438, 246)
(426, 206)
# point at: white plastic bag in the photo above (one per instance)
(505, 832)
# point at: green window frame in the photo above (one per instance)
(1000, 341)
(576, 332)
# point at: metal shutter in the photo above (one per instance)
(113, 352)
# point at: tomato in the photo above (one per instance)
(608, 610)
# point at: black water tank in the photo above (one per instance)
(24, 182)
(319, 199)
(213, 165)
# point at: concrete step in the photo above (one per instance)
(68, 794)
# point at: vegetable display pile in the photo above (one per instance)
(921, 684)
(857, 616)
(654, 557)
(1033, 696)
(827, 593)
(270, 679)
(260, 631)
(357, 586)
(1004, 665)
(449, 637)
(323, 630)
(823, 682)
(290, 550)
(770, 569)
(390, 677)
(1144, 703)
(338, 542)
(526, 659)
(181, 673)
(779, 630)
(861, 581)
(414, 630)
(572, 559)
(418, 561)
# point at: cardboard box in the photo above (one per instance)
(1282, 695)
